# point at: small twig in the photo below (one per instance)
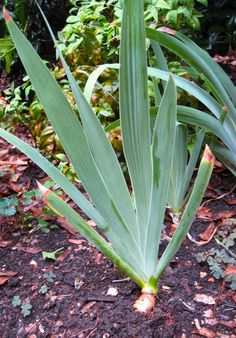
(225, 247)
(121, 280)
(104, 299)
(219, 197)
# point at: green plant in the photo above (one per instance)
(16, 301)
(132, 225)
(49, 277)
(26, 307)
(222, 262)
(220, 101)
(8, 206)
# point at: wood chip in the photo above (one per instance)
(205, 299)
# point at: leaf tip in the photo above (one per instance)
(208, 156)
(6, 15)
(44, 190)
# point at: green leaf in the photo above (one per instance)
(43, 289)
(50, 277)
(200, 185)
(51, 255)
(162, 4)
(73, 218)
(162, 151)
(134, 108)
(71, 134)
(16, 301)
(26, 308)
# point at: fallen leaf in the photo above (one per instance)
(230, 201)
(3, 244)
(231, 324)
(65, 225)
(86, 307)
(203, 274)
(33, 251)
(202, 298)
(230, 270)
(205, 332)
(63, 255)
(6, 275)
(207, 234)
(208, 314)
(76, 241)
(17, 162)
(91, 223)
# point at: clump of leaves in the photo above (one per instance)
(43, 289)
(25, 305)
(222, 262)
(8, 206)
(49, 277)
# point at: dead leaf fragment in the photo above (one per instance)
(6, 275)
(33, 251)
(205, 235)
(201, 298)
(203, 331)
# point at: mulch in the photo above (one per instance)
(81, 294)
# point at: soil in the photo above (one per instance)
(74, 301)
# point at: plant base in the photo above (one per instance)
(145, 303)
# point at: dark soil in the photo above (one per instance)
(76, 303)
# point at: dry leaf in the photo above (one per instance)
(65, 225)
(91, 223)
(230, 270)
(76, 241)
(201, 298)
(207, 234)
(6, 275)
(33, 251)
(203, 274)
(86, 307)
(205, 332)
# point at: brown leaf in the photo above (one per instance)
(3, 244)
(230, 201)
(33, 251)
(63, 255)
(209, 232)
(17, 162)
(76, 241)
(86, 307)
(6, 275)
(205, 332)
(65, 225)
(205, 299)
(91, 223)
(230, 270)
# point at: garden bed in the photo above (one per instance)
(81, 293)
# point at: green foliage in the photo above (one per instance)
(26, 307)
(8, 206)
(43, 289)
(16, 301)
(49, 277)
(218, 26)
(222, 262)
(51, 255)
